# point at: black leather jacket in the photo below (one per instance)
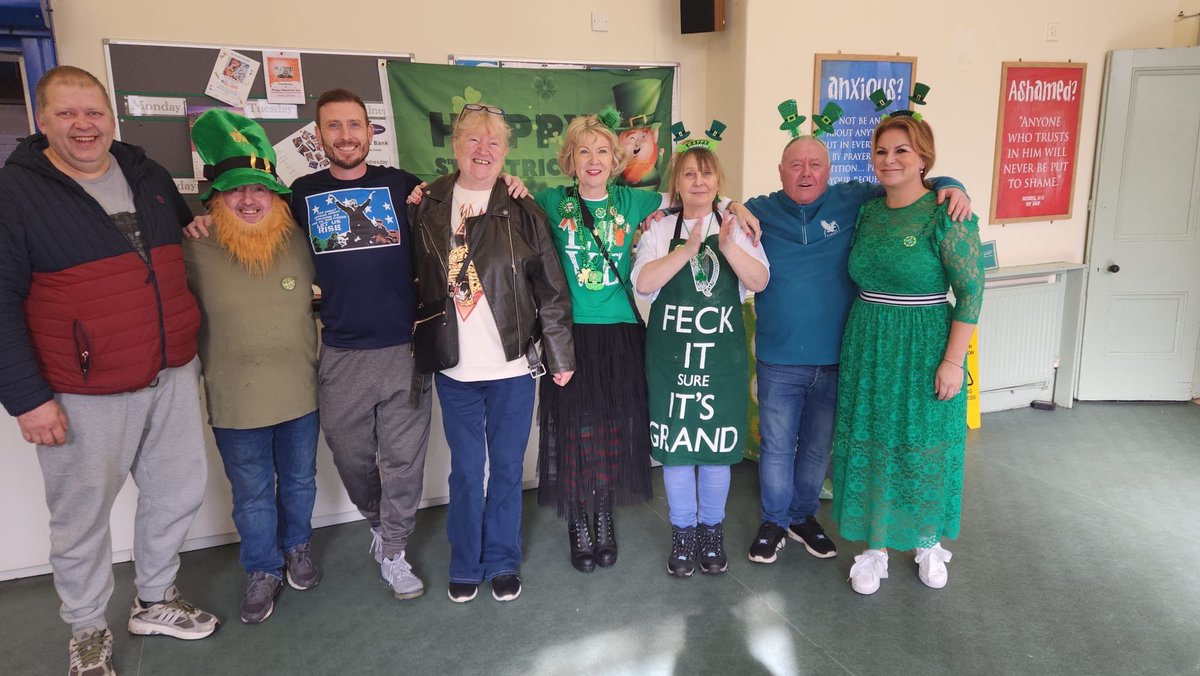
(517, 265)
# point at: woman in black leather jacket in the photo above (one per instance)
(490, 286)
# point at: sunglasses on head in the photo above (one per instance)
(474, 107)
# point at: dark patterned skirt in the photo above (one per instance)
(595, 432)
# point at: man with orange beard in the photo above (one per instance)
(258, 345)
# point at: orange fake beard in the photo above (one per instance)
(256, 245)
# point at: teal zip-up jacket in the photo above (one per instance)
(802, 312)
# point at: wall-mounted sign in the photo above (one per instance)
(1037, 141)
(848, 80)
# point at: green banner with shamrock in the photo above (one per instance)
(538, 104)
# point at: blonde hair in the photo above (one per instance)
(67, 75)
(705, 159)
(471, 121)
(588, 124)
(920, 137)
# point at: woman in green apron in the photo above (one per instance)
(696, 268)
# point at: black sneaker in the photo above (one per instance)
(461, 592)
(712, 549)
(682, 560)
(506, 587)
(768, 541)
(810, 533)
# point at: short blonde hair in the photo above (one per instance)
(705, 159)
(576, 130)
(67, 75)
(472, 121)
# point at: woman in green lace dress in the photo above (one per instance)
(901, 416)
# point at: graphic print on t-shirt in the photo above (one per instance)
(467, 292)
(351, 218)
(590, 269)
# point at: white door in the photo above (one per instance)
(1142, 316)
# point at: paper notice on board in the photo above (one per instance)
(285, 84)
(262, 110)
(158, 106)
(300, 154)
(383, 137)
(232, 76)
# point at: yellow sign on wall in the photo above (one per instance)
(973, 417)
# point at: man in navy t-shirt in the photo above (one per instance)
(374, 413)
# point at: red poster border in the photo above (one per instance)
(999, 151)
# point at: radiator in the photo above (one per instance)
(1019, 333)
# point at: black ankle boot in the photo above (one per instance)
(583, 554)
(606, 533)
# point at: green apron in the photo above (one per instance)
(696, 362)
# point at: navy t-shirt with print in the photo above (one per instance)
(358, 233)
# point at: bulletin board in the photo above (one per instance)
(153, 87)
(1037, 141)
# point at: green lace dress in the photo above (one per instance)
(898, 451)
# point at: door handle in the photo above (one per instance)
(1114, 268)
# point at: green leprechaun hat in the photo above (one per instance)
(679, 132)
(880, 100)
(715, 130)
(792, 120)
(235, 151)
(827, 118)
(637, 101)
(920, 91)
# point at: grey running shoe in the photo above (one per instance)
(171, 617)
(91, 654)
(259, 600)
(376, 548)
(302, 573)
(398, 574)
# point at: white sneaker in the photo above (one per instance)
(376, 548)
(398, 575)
(931, 565)
(869, 568)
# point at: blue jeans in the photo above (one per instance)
(796, 406)
(683, 497)
(273, 473)
(488, 421)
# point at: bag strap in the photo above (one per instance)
(589, 222)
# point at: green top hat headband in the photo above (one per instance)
(679, 135)
(791, 120)
(236, 152)
(822, 122)
(881, 101)
(637, 101)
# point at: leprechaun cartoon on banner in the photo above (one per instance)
(637, 132)
(697, 268)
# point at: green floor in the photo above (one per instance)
(1079, 555)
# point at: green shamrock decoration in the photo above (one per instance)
(470, 95)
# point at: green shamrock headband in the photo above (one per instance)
(679, 135)
(881, 101)
(822, 122)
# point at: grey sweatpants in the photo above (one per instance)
(377, 437)
(156, 435)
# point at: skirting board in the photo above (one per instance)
(194, 544)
